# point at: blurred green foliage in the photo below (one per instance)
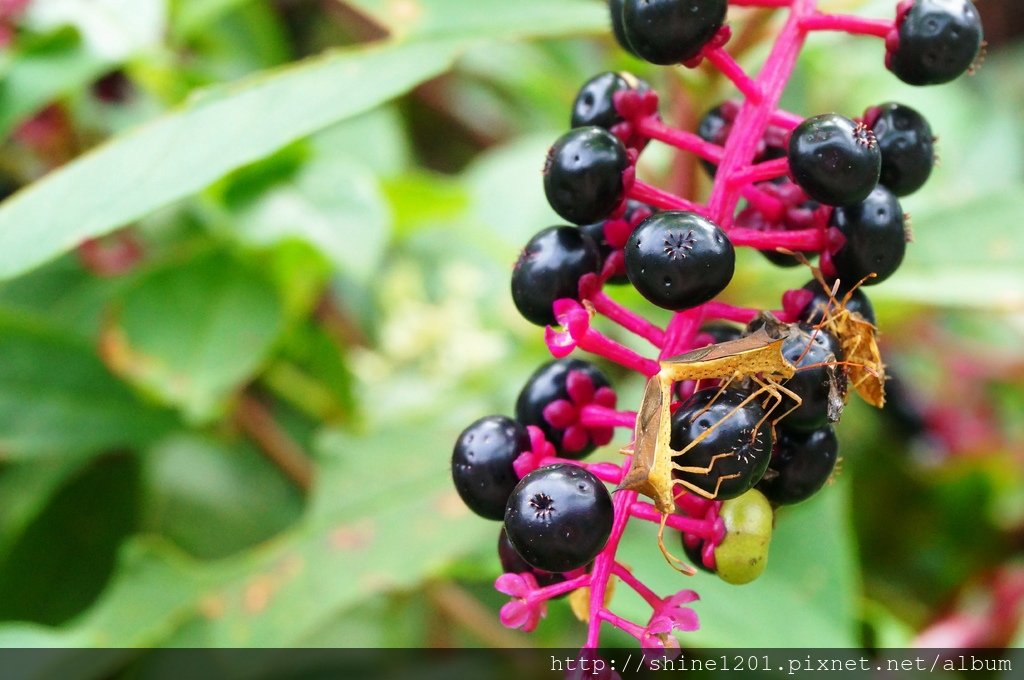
(242, 436)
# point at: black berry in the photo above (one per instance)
(820, 384)
(595, 102)
(742, 432)
(559, 517)
(716, 125)
(482, 463)
(678, 260)
(670, 31)
(802, 463)
(876, 238)
(938, 41)
(548, 384)
(583, 174)
(907, 145)
(615, 10)
(512, 563)
(836, 161)
(550, 268)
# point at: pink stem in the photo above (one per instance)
(777, 167)
(645, 193)
(849, 24)
(785, 119)
(628, 319)
(621, 623)
(603, 564)
(772, 208)
(687, 525)
(727, 312)
(651, 126)
(633, 582)
(556, 589)
(596, 343)
(798, 239)
(724, 62)
(752, 121)
(694, 505)
(594, 415)
(681, 332)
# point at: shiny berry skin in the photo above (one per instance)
(615, 10)
(671, 31)
(907, 145)
(678, 259)
(716, 125)
(595, 102)
(548, 384)
(559, 517)
(818, 381)
(938, 41)
(737, 434)
(512, 563)
(833, 159)
(802, 463)
(743, 553)
(482, 463)
(876, 238)
(813, 312)
(583, 174)
(550, 268)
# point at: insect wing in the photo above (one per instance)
(645, 441)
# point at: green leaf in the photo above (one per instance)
(964, 254)
(44, 70)
(191, 335)
(384, 517)
(333, 203)
(810, 570)
(213, 499)
(183, 152)
(192, 16)
(487, 18)
(58, 399)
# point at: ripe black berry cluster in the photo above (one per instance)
(737, 419)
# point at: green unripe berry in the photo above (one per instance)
(743, 554)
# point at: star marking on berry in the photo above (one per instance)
(676, 244)
(543, 505)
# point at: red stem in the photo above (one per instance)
(724, 62)
(849, 24)
(798, 239)
(628, 319)
(777, 167)
(653, 127)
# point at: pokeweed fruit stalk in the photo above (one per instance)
(739, 441)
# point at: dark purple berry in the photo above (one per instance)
(550, 268)
(595, 102)
(907, 145)
(744, 434)
(559, 517)
(678, 260)
(548, 384)
(482, 463)
(814, 311)
(583, 174)
(876, 238)
(802, 463)
(833, 159)
(615, 10)
(512, 563)
(819, 382)
(938, 41)
(671, 31)
(716, 125)
(721, 331)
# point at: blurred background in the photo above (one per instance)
(250, 296)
